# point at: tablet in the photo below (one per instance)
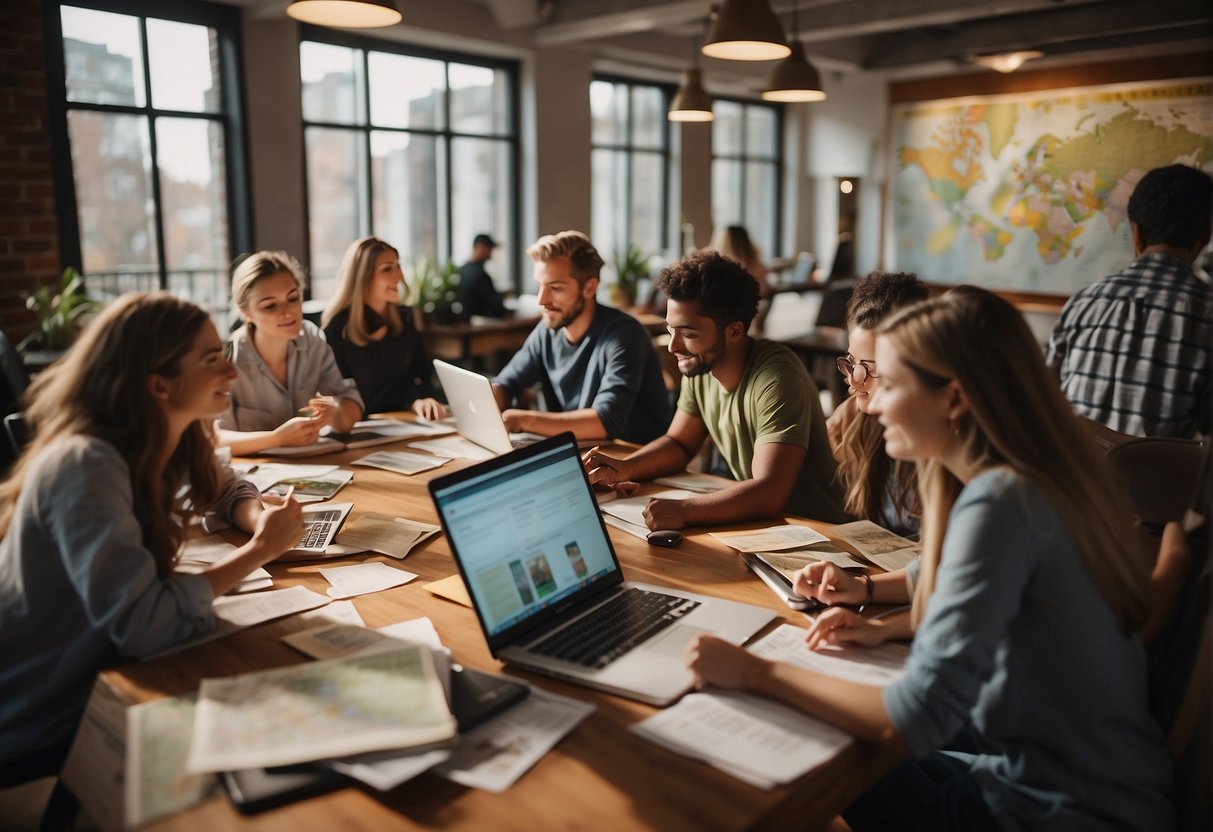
(780, 585)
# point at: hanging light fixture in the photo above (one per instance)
(1007, 61)
(745, 30)
(346, 14)
(794, 79)
(691, 102)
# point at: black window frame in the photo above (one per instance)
(743, 157)
(446, 135)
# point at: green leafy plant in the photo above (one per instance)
(631, 266)
(60, 314)
(433, 288)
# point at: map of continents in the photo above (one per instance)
(1030, 191)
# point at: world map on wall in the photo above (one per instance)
(1030, 191)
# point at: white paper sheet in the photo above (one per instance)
(694, 481)
(879, 545)
(338, 612)
(876, 666)
(402, 462)
(454, 447)
(267, 473)
(631, 509)
(394, 536)
(363, 578)
(773, 539)
(199, 553)
(388, 770)
(624, 526)
(330, 641)
(405, 430)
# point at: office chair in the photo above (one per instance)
(17, 430)
(13, 377)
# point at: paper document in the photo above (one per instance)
(792, 561)
(405, 430)
(401, 462)
(392, 536)
(363, 578)
(774, 539)
(451, 588)
(693, 481)
(338, 612)
(750, 737)
(454, 447)
(313, 489)
(320, 710)
(495, 754)
(877, 666)
(330, 641)
(631, 509)
(624, 526)
(268, 473)
(387, 770)
(879, 545)
(202, 552)
(158, 741)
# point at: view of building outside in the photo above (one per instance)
(149, 165)
(630, 162)
(745, 171)
(417, 151)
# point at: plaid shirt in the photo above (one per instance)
(1135, 350)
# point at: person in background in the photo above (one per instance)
(372, 335)
(754, 398)
(600, 375)
(289, 386)
(92, 520)
(734, 241)
(476, 290)
(1027, 604)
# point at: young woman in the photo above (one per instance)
(289, 385)
(1031, 591)
(373, 337)
(734, 241)
(91, 522)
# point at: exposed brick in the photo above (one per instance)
(32, 246)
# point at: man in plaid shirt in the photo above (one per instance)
(1134, 351)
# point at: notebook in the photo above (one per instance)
(547, 586)
(470, 397)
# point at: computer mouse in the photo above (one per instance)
(664, 537)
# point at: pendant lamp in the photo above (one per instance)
(794, 79)
(746, 30)
(346, 14)
(691, 102)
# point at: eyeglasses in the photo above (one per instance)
(857, 371)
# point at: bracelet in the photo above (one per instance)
(871, 589)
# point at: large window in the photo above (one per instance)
(146, 177)
(417, 148)
(631, 161)
(747, 156)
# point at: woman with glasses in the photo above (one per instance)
(1031, 591)
(289, 386)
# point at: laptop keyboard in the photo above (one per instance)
(627, 620)
(316, 527)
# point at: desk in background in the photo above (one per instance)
(600, 776)
(462, 342)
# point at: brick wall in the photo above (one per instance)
(29, 235)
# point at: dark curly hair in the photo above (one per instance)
(1172, 206)
(725, 290)
(880, 293)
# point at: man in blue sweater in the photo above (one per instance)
(600, 375)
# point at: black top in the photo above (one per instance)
(477, 292)
(391, 373)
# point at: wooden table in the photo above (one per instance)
(598, 777)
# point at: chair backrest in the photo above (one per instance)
(13, 378)
(834, 300)
(18, 432)
(1164, 476)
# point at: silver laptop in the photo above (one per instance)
(470, 397)
(547, 586)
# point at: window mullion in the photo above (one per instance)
(154, 148)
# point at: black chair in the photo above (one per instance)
(18, 432)
(13, 378)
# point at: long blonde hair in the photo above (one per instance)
(734, 241)
(258, 266)
(100, 389)
(1019, 418)
(353, 283)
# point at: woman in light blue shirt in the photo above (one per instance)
(1030, 594)
(91, 517)
(289, 386)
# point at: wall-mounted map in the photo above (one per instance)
(1029, 191)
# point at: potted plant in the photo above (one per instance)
(434, 292)
(60, 317)
(631, 266)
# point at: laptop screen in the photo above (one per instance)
(526, 535)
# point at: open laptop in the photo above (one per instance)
(547, 586)
(470, 397)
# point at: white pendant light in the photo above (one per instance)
(346, 14)
(746, 30)
(691, 102)
(794, 80)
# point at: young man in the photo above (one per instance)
(753, 397)
(1134, 351)
(599, 371)
(476, 290)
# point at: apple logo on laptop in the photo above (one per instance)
(472, 406)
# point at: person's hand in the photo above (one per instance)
(829, 584)
(605, 471)
(279, 527)
(324, 409)
(430, 409)
(714, 661)
(515, 419)
(839, 626)
(300, 430)
(665, 514)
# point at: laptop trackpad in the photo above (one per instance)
(673, 642)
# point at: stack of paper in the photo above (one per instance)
(788, 549)
(394, 536)
(200, 553)
(402, 462)
(879, 545)
(627, 513)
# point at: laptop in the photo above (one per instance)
(547, 587)
(477, 417)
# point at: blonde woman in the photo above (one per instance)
(92, 525)
(1031, 592)
(289, 385)
(372, 335)
(734, 241)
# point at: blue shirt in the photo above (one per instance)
(1018, 640)
(612, 370)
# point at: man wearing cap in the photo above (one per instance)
(476, 290)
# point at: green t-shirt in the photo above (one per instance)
(776, 401)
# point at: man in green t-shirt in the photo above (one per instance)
(754, 398)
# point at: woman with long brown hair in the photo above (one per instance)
(92, 516)
(1027, 605)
